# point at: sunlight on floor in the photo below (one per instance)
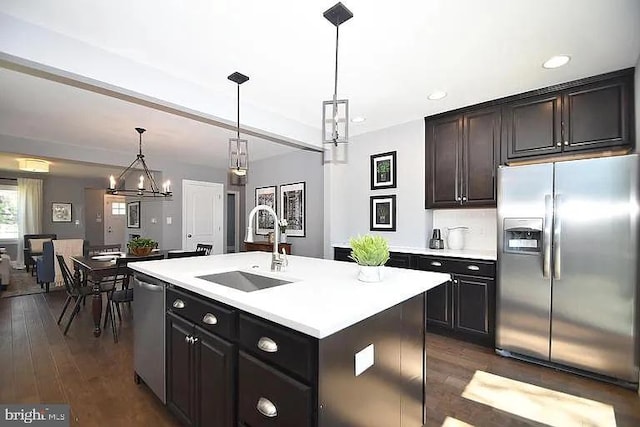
(537, 403)
(453, 422)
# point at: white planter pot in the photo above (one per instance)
(370, 273)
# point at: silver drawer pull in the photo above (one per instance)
(473, 267)
(267, 408)
(210, 319)
(178, 304)
(267, 344)
(436, 263)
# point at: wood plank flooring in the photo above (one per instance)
(39, 364)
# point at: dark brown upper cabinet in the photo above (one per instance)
(462, 152)
(593, 114)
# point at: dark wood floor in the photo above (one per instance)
(39, 364)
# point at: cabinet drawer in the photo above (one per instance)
(267, 397)
(456, 266)
(210, 316)
(285, 348)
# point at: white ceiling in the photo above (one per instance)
(392, 55)
(59, 167)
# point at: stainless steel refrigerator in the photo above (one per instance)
(567, 265)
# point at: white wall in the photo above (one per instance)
(350, 186)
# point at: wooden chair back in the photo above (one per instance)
(201, 247)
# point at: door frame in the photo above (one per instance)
(214, 185)
(237, 220)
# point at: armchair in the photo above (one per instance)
(33, 244)
(45, 266)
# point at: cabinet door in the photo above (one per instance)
(442, 152)
(474, 303)
(533, 127)
(215, 362)
(440, 306)
(480, 153)
(342, 254)
(399, 260)
(180, 389)
(597, 115)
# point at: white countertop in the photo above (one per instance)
(325, 296)
(490, 255)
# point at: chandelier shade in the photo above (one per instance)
(146, 184)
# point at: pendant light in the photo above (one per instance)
(146, 186)
(335, 113)
(238, 154)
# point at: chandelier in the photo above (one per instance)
(335, 113)
(238, 154)
(147, 186)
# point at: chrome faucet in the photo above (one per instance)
(278, 261)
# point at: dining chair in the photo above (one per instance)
(185, 254)
(202, 247)
(125, 294)
(75, 291)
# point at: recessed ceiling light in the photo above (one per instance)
(358, 119)
(438, 94)
(33, 165)
(556, 61)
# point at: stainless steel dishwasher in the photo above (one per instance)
(149, 333)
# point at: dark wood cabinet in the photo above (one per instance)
(462, 153)
(200, 375)
(598, 115)
(342, 254)
(593, 114)
(533, 126)
(463, 307)
(266, 247)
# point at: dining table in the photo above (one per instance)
(95, 269)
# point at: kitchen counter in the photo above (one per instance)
(491, 255)
(324, 298)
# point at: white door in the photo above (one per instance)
(115, 211)
(202, 214)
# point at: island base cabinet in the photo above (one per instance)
(200, 375)
(386, 390)
(267, 397)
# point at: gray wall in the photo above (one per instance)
(94, 205)
(637, 96)
(66, 190)
(296, 167)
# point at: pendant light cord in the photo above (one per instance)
(238, 132)
(335, 87)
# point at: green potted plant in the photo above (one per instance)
(141, 246)
(371, 253)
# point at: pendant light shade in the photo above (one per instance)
(238, 149)
(145, 184)
(335, 113)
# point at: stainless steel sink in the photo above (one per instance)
(243, 281)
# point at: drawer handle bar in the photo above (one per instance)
(436, 263)
(267, 344)
(473, 267)
(267, 408)
(178, 304)
(210, 319)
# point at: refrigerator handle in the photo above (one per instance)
(546, 253)
(557, 233)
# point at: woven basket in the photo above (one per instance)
(142, 251)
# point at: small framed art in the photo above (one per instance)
(383, 213)
(383, 170)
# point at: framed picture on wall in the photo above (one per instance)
(292, 208)
(60, 212)
(383, 213)
(133, 214)
(383, 170)
(265, 196)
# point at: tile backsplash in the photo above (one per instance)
(482, 225)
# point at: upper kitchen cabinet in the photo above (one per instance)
(533, 126)
(587, 115)
(462, 152)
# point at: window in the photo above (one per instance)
(118, 208)
(8, 212)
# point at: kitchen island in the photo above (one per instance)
(323, 349)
